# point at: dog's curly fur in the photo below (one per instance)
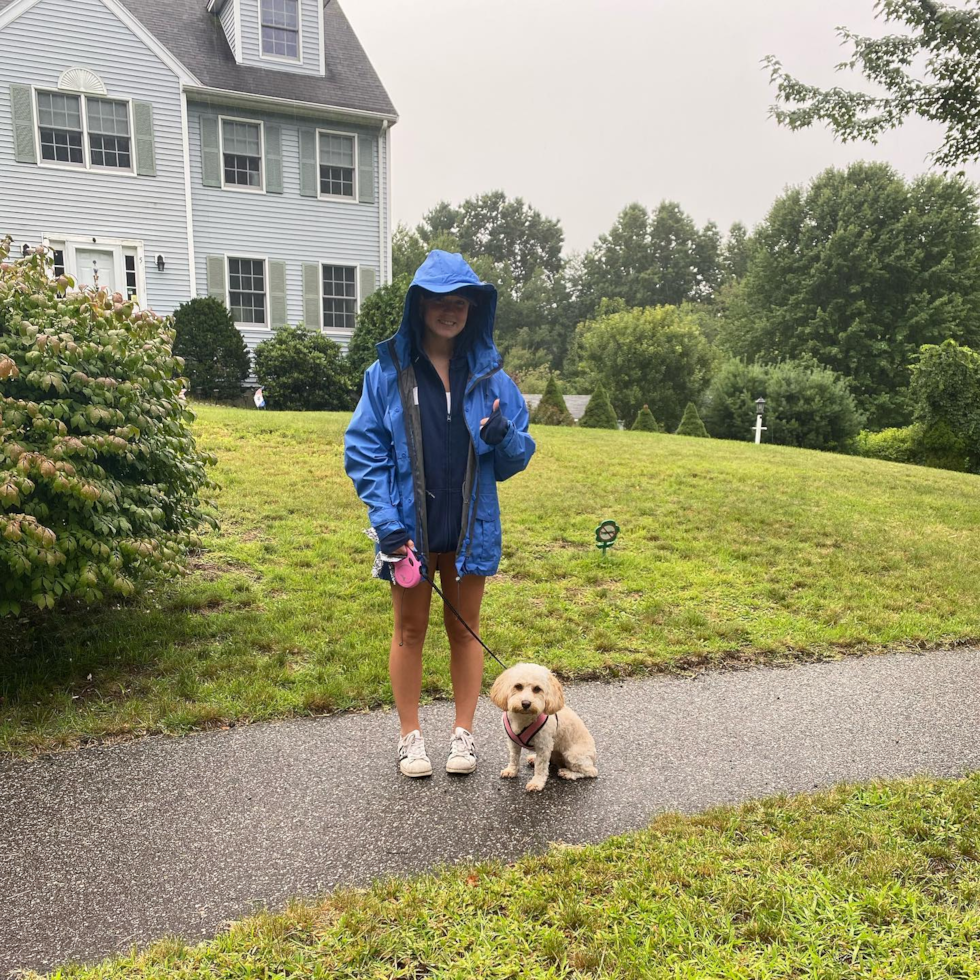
(526, 690)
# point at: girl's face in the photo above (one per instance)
(445, 316)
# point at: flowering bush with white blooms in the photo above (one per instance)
(101, 480)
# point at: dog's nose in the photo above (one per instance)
(525, 705)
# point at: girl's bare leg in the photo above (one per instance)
(465, 653)
(411, 607)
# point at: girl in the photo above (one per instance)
(439, 423)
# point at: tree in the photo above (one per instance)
(931, 72)
(379, 318)
(735, 253)
(599, 413)
(302, 370)
(408, 252)
(216, 359)
(691, 424)
(102, 485)
(551, 410)
(858, 271)
(807, 405)
(506, 231)
(654, 259)
(654, 356)
(645, 422)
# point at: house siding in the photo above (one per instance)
(284, 227)
(310, 40)
(230, 25)
(36, 201)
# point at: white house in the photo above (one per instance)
(180, 148)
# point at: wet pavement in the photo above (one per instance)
(119, 845)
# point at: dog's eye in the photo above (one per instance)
(537, 690)
(518, 687)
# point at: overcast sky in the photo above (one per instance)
(582, 106)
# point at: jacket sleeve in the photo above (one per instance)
(515, 451)
(368, 458)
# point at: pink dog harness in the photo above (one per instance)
(523, 737)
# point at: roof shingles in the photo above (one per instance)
(195, 38)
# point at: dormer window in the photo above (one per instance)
(280, 29)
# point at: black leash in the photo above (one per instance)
(463, 621)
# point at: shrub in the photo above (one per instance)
(379, 319)
(551, 410)
(807, 405)
(655, 356)
(945, 391)
(922, 445)
(691, 424)
(645, 422)
(100, 477)
(599, 413)
(216, 359)
(301, 370)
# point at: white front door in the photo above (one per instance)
(95, 267)
(109, 263)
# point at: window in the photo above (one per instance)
(246, 290)
(108, 133)
(280, 29)
(336, 165)
(59, 119)
(132, 287)
(339, 297)
(241, 144)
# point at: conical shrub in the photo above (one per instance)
(552, 410)
(599, 413)
(691, 424)
(645, 422)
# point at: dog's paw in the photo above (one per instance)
(509, 773)
(534, 786)
(570, 774)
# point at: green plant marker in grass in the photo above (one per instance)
(605, 535)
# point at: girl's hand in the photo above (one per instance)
(496, 405)
(405, 548)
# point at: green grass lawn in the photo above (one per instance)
(729, 554)
(878, 881)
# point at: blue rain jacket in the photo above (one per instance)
(384, 453)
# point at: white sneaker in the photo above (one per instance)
(462, 753)
(412, 759)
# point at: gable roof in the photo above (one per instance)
(196, 39)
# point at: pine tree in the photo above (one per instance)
(599, 413)
(691, 424)
(551, 409)
(645, 422)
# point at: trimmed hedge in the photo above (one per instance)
(645, 422)
(552, 410)
(919, 444)
(599, 413)
(216, 359)
(101, 481)
(691, 424)
(302, 370)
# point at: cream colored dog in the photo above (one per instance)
(535, 718)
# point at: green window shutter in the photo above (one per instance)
(308, 182)
(216, 278)
(273, 159)
(366, 284)
(210, 151)
(312, 296)
(146, 157)
(365, 169)
(22, 109)
(277, 294)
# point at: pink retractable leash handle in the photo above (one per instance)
(408, 572)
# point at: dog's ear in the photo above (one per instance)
(498, 693)
(554, 699)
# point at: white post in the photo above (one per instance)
(759, 429)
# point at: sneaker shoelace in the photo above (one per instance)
(414, 748)
(462, 744)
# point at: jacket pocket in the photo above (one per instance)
(486, 531)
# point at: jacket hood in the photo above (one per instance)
(449, 272)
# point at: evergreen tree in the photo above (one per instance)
(645, 422)
(551, 409)
(691, 424)
(599, 413)
(216, 360)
